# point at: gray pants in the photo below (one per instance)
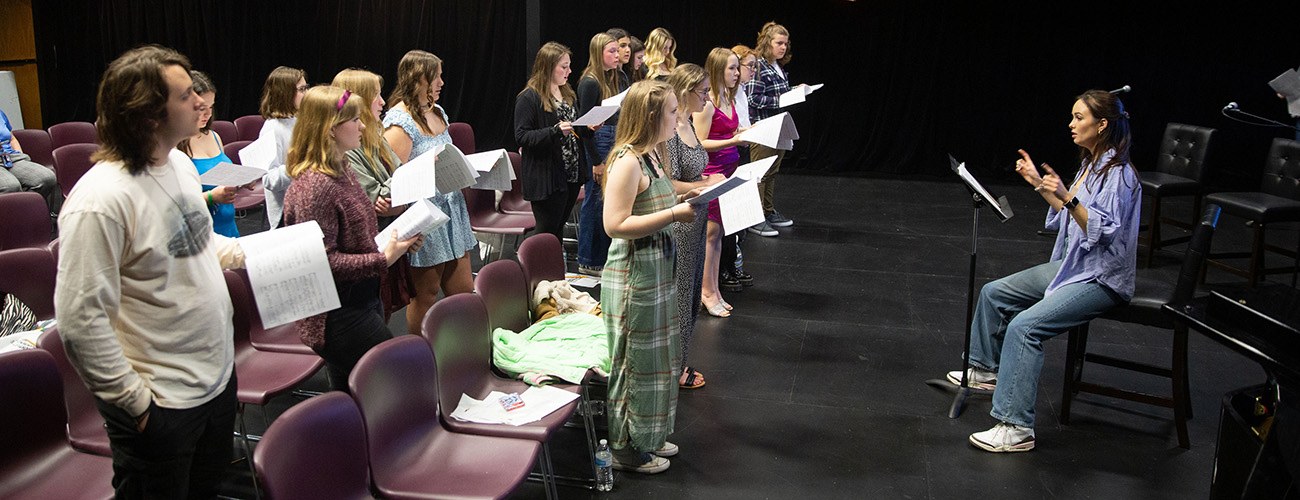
(26, 175)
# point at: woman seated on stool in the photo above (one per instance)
(1091, 270)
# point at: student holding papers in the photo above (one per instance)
(764, 91)
(325, 190)
(638, 290)
(691, 87)
(373, 163)
(140, 298)
(601, 80)
(660, 54)
(554, 164)
(1092, 269)
(716, 127)
(416, 124)
(204, 149)
(281, 95)
(748, 66)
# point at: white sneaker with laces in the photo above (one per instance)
(1004, 438)
(976, 378)
(667, 450)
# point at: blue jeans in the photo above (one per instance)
(593, 243)
(1013, 318)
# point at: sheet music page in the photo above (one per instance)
(974, 184)
(793, 96)
(229, 174)
(776, 132)
(493, 168)
(453, 171)
(713, 192)
(419, 218)
(289, 273)
(259, 153)
(1288, 84)
(741, 208)
(755, 170)
(814, 88)
(596, 116)
(614, 100)
(416, 180)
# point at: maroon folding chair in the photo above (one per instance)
(26, 221)
(85, 424)
(542, 259)
(36, 460)
(53, 247)
(226, 130)
(412, 455)
(512, 201)
(504, 290)
(28, 273)
(462, 135)
(316, 449)
(36, 143)
(232, 149)
(249, 127)
(70, 163)
(245, 199)
(283, 338)
(484, 217)
(66, 133)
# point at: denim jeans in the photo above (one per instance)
(1013, 318)
(593, 243)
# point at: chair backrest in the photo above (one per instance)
(542, 258)
(26, 221)
(37, 144)
(71, 162)
(1197, 249)
(395, 385)
(29, 273)
(480, 205)
(226, 129)
(316, 449)
(249, 127)
(1282, 170)
(232, 149)
(514, 198)
(462, 135)
(31, 393)
(505, 293)
(457, 330)
(85, 424)
(1184, 150)
(66, 133)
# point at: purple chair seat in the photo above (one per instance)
(63, 134)
(412, 455)
(512, 201)
(225, 129)
(316, 449)
(283, 338)
(542, 258)
(262, 374)
(26, 221)
(36, 143)
(484, 217)
(462, 136)
(70, 163)
(85, 424)
(36, 460)
(29, 274)
(249, 127)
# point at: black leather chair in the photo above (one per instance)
(1278, 200)
(1145, 309)
(1180, 166)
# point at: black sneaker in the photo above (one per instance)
(743, 277)
(728, 282)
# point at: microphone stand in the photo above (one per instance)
(963, 390)
(1259, 121)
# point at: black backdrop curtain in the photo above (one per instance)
(906, 81)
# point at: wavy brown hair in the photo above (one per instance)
(548, 57)
(764, 46)
(1117, 135)
(132, 103)
(279, 91)
(202, 85)
(416, 67)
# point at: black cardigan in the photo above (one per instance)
(539, 143)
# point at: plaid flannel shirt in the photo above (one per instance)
(765, 90)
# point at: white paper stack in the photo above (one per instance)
(419, 218)
(538, 403)
(494, 170)
(799, 93)
(289, 273)
(777, 132)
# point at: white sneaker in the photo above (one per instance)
(1004, 438)
(655, 465)
(667, 450)
(977, 379)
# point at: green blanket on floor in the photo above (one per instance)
(564, 346)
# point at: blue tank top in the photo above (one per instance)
(223, 214)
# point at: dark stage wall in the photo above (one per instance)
(906, 81)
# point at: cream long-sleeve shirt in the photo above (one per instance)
(141, 301)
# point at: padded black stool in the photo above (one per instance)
(1277, 201)
(1180, 166)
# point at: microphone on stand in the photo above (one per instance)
(1230, 106)
(1252, 119)
(1122, 90)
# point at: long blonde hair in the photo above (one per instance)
(548, 57)
(312, 146)
(367, 85)
(656, 55)
(607, 79)
(684, 79)
(716, 66)
(640, 120)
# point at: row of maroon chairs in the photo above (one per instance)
(512, 216)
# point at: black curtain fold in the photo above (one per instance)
(907, 82)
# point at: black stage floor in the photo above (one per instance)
(817, 383)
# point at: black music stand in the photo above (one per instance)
(1002, 209)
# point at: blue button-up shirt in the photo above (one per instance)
(1106, 252)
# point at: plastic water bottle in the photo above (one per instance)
(604, 467)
